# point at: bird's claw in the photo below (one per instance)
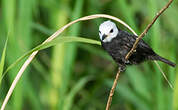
(122, 68)
(126, 61)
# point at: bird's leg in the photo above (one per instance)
(125, 61)
(122, 67)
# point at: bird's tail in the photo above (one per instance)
(159, 58)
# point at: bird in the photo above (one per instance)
(118, 43)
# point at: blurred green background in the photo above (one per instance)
(77, 76)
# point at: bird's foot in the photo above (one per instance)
(122, 68)
(126, 61)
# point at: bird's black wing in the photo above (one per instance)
(130, 40)
(143, 50)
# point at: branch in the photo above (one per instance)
(133, 50)
(112, 90)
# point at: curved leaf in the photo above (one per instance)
(52, 43)
(3, 60)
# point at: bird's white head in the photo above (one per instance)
(107, 31)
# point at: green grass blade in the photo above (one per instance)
(69, 53)
(128, 94)
(70, 97)
(138, 81)
(95, 51)
(3, 60)
(175, 95)
(32, 96)
(65, 40)
(125, 91)
(129, 16)
(155, 42)
(52, 43)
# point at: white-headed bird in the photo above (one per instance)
(118, 43)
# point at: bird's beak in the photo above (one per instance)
(104, 36)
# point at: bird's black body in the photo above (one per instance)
(122, 44)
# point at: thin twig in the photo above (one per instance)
(57, 33)
(164, 75)
(133, 49)
(112, 90)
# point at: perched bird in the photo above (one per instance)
(118, 43)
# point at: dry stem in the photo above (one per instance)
(112, 90)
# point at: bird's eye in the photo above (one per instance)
(111, 31)
(100, 32)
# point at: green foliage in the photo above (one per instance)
(3, 60)
(73, 75)
(47, 45)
